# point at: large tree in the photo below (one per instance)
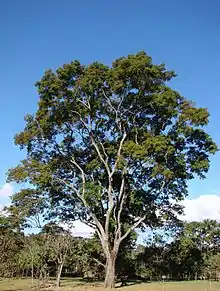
(112, 146)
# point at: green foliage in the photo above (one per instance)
(192, 254)
(188, 256)
(10, 244)
(213, 266)
(89, 259)
(113, 146)
(32, 256)
(165, 143)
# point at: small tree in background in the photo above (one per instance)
(111, 146)
(212, 268)
(11, 242)
(58, 242)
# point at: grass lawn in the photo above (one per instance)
(79, 285)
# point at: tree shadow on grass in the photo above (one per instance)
(130, 282)
(95, 282)
(83, 281)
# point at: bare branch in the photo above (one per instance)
(70, 186)
(163, 185)
(127, 110)
(100, 155)
(104, 152)
(104, 243)
(111, 206)
(110, 104)
(87, 105)
(114, 109)
(81, 197)
(122, 197)
(120, 103)
(136, 132)
(135, 225)
(99, 227)
(90, 224)
(110, 174)
(118, 153)
(98, 262)
(101, 193)
(114, 213)
(81, 119)
(82, 174)
(76, 112)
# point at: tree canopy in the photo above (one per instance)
(112, 146)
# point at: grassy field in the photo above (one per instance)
(78, 285)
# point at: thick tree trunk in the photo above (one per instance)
(59, 272)
(110, 271)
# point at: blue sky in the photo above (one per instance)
(39, 34)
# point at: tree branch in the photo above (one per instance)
(121, 199)
(87, 105)
(100, 155)
(114, 109)
(119, 153)
(94, 217)
(110, 104)
(98, 262)
(90, 224)
(111, 173)
(82, 197)
(135, 225)
(104, 152)
(82, 174)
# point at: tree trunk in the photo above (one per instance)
(196, 276)
(110, 272)
(32, 272)
(59, 272)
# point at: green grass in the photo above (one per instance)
(69, 284)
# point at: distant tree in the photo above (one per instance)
(33, 257)
(58, 242)
(151, 258)
(183, 260)
(212, 267)
(90, 258)
(111, 146)
(11, 242)
(205, 235)
(189, 254)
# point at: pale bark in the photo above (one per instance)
(110, 275)
(110, 270)
(32, 272)
(59, 272)
(115, 203)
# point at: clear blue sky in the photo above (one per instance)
(40, 34)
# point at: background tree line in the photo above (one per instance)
(191, 253)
